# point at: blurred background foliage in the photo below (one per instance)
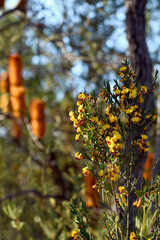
(66, 47)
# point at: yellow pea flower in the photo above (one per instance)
(78, 155)
(132, 236)
(135, 120)
(85, 171)
(138, 202)
(101, 174)
(94, 119)
(117, 135)
(144, 89)
(117, 92)
(122, 69)
(143, 136)
(81, 96)
(125, 91)
(133, 93)
(75, 233)
(106, 126)
(113, 119)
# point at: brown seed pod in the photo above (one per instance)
(91, 194)
(37, 109)
(15, 70)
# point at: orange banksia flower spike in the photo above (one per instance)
(18, 101)
(37, 118)
(148, 167)
(4, 90)
(91, 193)
(15, 70)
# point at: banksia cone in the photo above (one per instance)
(15, 70)
(16, 131)
(2, 3)
(148, 167)
(91, 194)
(37, 117)
(4, 82)
(37, 109)
(18, 101)
(4, 89)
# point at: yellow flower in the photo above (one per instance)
(135, 120)
(101, 174)
(146, 149)
(144, 89)
(141, 99)
(101, 131)
(94, 119)
(129, 111)
(154, 117)
(133, 93)
(80, 116)
(75, 233)
(125, 91)
(113, 119)
(132, 236)
(122, 69)
(107, 110)
(78, 130)
(121, 200)
(138, 202)
(71, 113)
(148, 143)
(102, 93)
(81, 96)
(85, 171)
(148, 116)
(89, 97)
(77, 137)
(106, 126)
(122, 190)
(117, 135)
(81, 108)
(119, 146)
(117, 92)
(143, 136)
(72, 118)
(79, 103)
(126, 120)
(78, 155)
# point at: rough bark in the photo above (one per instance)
(140, 62)
(156, 164)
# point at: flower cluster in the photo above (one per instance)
(121, 197)
(114, 130)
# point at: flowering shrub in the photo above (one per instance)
(114, 130)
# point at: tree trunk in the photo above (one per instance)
(141, 64)
(156, 164)
(138, 50)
